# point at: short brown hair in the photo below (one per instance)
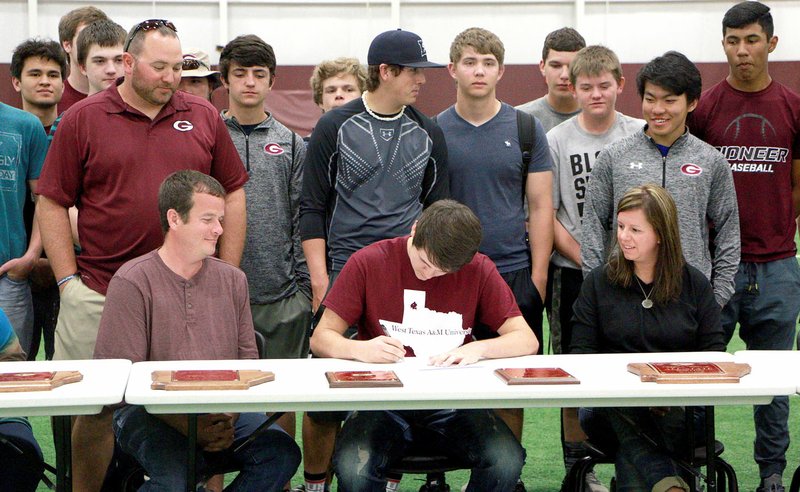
(332, 68)
(374, 75)
(449, 233)
(177, 193)
(70, 22)
(662, 214)
(483, 41)
(593, 61)
(564, 39)
(104, 33)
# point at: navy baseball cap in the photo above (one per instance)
(399, 47)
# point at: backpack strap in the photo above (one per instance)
(527, 136)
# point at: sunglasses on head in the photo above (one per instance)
(192, 63)
(148, 25)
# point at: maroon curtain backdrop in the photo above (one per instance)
(290, 100)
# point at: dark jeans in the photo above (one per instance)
(20, 457)
(266, 463)
(370, 441)
(765, 303)
(639, 463)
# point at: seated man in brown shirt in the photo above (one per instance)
(180, 303)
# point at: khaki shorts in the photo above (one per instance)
(78, 321)
(285, 324)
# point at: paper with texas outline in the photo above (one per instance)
(425, 331)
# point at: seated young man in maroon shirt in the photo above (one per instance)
(439, 263)
(178, 302)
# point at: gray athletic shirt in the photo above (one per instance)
(574, 150)
(548, 117)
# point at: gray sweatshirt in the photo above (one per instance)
(701, 183)
(273, 258)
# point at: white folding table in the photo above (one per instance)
(605, 382)
(103, 384)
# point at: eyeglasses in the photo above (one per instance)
(148, 25)
(192, 63)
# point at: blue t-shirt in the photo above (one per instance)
(23, 146)
(487, 175)
(7, 334)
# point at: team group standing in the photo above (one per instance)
(118, 178)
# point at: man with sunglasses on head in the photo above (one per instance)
(109, 157)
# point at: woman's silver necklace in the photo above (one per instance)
(376, 115)
(647, 303)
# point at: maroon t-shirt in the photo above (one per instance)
(372, 283)
(759, 135)
(70, 97)
(109, 160)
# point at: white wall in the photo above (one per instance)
(306, 31)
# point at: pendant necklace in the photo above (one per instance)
(646, 303)
(376, 115)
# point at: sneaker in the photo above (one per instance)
(435, 482)
(593, 484)
(773, 483)
(302, 488)
(434, 486)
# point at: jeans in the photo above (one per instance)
(371, 441)
(639, 463)
(266, 463)
(765, 303)
(20, 456)
(15, 301)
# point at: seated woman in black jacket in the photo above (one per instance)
(645, 299)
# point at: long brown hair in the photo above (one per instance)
(660, 211)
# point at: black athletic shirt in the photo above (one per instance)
(366, 179)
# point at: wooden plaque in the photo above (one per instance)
(37, 381)
(536, 375)
(689, 372)
(209, 379)
(362, 379)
